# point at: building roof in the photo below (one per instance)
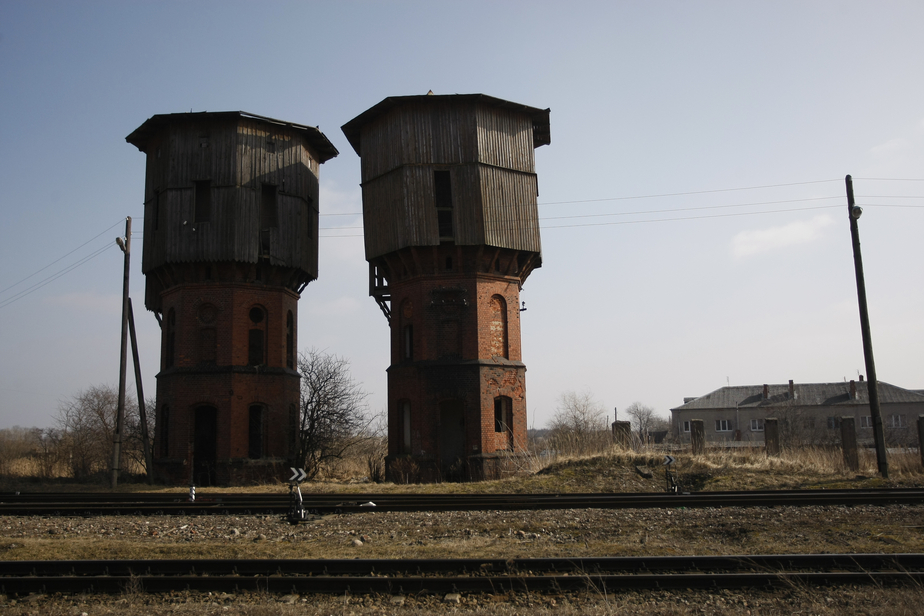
(140, 137)
(803, 395)
(542, 134)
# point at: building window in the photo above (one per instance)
(757, 425)
(834, 423)
(256, 349)
(170, 339)
(255, 433)
(442, 198)
(165, 431)
(290, 340)
(404, 446)
(203, 201)
(408, 342)
(686, 426)
(723, 425)
(208, 346)
(498, 328)
(866, 421)
(503, 419)
(269, 218)
(896, 421)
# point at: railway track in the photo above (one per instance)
(458, 575)
(70, 504)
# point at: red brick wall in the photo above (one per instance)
(228, 384)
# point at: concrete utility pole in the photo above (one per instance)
(872, 384)
(126, 245)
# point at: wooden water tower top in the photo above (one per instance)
(449, 169)
(229, 187)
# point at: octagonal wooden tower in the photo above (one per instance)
(451, 233)
(230, 242)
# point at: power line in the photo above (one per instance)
(53, 277)
(15, 284)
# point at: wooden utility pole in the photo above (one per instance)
(872, 384)
(145, 438)
(126, 245)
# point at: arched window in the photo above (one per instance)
(208, 342)
(256, 347)
(170, 339)
(407, 330)
(290, 340)
(255, 433)
(498, 325)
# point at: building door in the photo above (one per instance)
(205, 446)
(452, 440)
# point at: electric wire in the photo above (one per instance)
(38, 285)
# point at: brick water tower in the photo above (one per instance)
(451, 233)
(230, 241)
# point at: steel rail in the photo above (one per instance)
(469, 575)
(158, 504)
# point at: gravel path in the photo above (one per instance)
(483, 534)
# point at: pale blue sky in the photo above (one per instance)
(642, 300)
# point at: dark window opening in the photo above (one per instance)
(290, 341)
(271, 147)
(405, 445)
(203, 203)
(268, 216)
(442, 185)
(408, 342)
(156, 213)
(165, 431)
(208, 346)
(256, 347)
(449, 263)
(501, 412)
(255, 433)
(170, 342)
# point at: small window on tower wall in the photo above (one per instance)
(170, 339)
(256, 353)
(442, 188)
(255, 433)
(290, 340)
(203, 205)
(165, 431)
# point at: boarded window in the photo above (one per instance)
(208, 351)
(442, 189)
(498, 328)
(255, 433)
(203, 204)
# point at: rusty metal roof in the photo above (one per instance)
(140, 137)
(541, 132)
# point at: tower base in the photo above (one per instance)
(481, 467)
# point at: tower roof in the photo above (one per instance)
(541, 132)
(140, 137)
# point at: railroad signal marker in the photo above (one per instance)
(668, 460)
(298, 474)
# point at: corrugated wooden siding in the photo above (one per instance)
(238, 162)
(489, 152)
(419, 135)
(511, 216)
(505, 139)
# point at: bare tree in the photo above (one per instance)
(332, 417)
(87, 426)
(579, 425)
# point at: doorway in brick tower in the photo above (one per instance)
(452, 440)
(205, 446)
